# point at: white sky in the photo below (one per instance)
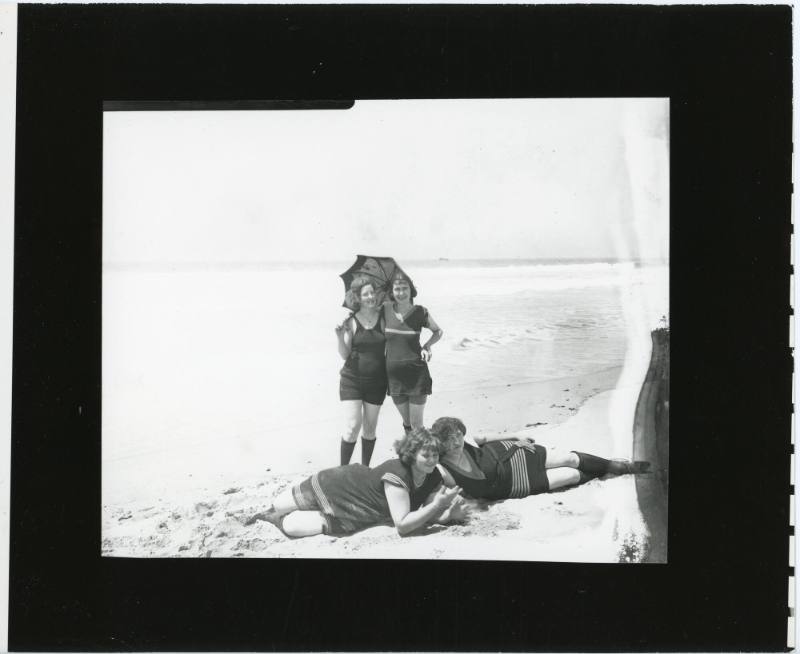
(414, 179)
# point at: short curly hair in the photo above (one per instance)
(447, 431)
(353, 296)
(414, 441)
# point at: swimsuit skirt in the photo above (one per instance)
(509, 470)
(363, 376)
(408, 373)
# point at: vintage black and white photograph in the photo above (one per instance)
(403, 329)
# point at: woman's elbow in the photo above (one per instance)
(403, 530)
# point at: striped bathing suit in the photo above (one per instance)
(408, 373)
(508, 469)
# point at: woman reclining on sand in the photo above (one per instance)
(338, 501)
(503, 468)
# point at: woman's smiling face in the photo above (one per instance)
(367, 297)
(401, 290)
(426, 459)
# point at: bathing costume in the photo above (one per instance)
(363, 376)
(408, 373)
(509, 470)
(352, 497)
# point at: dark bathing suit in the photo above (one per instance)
(352, 497)
(363, 376)
(408, 373)
(509, 470)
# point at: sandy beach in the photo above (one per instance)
(597, 521)
(206, 418)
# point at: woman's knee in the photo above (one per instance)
(303, 523)
(284, 502)
(556, 458)
(416, 414)
(352, 426)
(371, 413)
(561, 477)
(351, 434)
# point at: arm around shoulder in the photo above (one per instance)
(481, 439)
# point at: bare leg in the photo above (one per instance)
(352, 412)
(303, 523)
(371, 412)
(557, 458)
(282, 504)
(589, 466)
(352, 420)
(416, 410)
(561, 477)
(401, 402)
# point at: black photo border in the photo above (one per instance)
(727, 72)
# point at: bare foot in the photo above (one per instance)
(268, 516)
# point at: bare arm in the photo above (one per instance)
(344, 338)
(407, 521)
(481, 439)
(436, 335)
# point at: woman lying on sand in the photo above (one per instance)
(501, 469)
(346, 499)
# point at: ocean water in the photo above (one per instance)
(216, 354)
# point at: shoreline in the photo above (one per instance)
(215, 464)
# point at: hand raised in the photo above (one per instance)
(445, 496)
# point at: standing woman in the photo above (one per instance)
(406, 362)
(362, 385)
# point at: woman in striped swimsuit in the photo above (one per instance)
(406, 360)
(499, 469)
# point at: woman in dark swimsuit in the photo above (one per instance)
(407, 491)
(406, 361)
(362, 384)
(506, 467)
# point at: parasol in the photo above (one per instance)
(377, 270)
